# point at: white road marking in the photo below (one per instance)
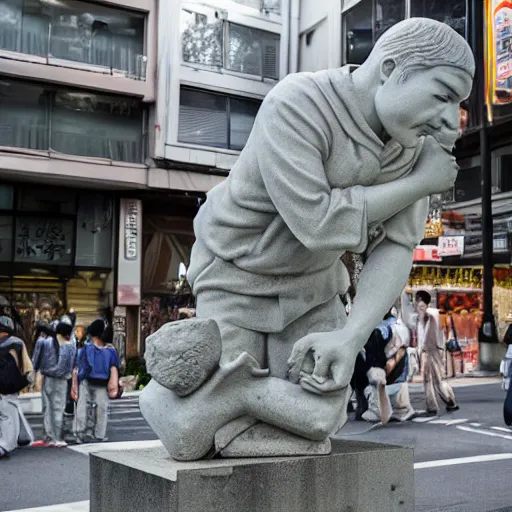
(462, 460)
(85, 449)
(424, 420)
(124, 420)
(456, 422)
(503, 429)
(483, 432)
(476, 424)
(439, 422)
(78, 506)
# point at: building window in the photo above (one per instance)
(215, 120)
(71, 122)
(263, 5)
(451, 12)
(369, 19)
(366, 22)
(75, 31)
(210, 41)
(252, 51)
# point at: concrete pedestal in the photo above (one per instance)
(356, 477)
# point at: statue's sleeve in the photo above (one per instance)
(293, 139)
(407, 227)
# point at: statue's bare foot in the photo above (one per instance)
(187, 425)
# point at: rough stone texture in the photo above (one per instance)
(231, 430)
(356, 477)
(182, 355)
(264, 440)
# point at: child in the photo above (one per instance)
(98, 379)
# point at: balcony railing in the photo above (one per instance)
(109, 40)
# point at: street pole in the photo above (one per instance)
(489, 348)
(488, 331)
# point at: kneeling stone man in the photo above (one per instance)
(338, 160)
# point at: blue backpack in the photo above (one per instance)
(98, 362)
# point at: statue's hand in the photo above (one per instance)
(436, 170)
(333, 355)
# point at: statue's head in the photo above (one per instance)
(426, 69)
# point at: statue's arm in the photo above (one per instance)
(382, 278)
(386, 270)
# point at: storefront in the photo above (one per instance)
(167, 239)
(448, 264)
(56, 247)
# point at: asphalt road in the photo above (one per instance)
(477, 481)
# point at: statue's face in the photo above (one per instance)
(427, 103)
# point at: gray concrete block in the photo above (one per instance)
(355, 477)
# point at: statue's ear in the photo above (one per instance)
(386, 68)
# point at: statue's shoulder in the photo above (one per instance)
(296, 85)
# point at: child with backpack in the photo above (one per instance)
(98, 380)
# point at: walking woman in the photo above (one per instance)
(98, 380)
(431, 351)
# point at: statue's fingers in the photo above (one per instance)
(322, 365)
(299, 352)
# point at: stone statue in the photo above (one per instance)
(339, 160)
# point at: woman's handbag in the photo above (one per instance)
(452, 344)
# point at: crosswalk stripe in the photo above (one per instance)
(78, 506)
(456, 422)
(502, 429)
(483, 432)
(462, 460)
(86, 449)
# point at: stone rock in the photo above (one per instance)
(182, 355)
(263, 440)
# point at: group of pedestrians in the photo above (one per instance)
(402, 345)
(78, 379)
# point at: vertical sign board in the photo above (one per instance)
(129, 257)
(499, 52)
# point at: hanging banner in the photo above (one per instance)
(129, 256)
(499, 51)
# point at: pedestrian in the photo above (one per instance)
(54, 357)
(16, 373)
(431, 348)
(506, 371)
(98, 379)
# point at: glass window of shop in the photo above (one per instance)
(74, 31)
(366, 22)
(72, 122)
(451, 12)
(369, 19)
(55, 227)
